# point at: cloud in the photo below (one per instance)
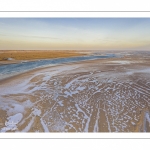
(27, 36)
(46, 37)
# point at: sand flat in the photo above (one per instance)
(106, 95)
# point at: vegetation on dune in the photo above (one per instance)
(36, 54)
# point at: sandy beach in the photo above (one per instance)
(104, 95)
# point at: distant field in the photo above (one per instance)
(36, 54)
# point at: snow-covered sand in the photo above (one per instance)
(108, 95)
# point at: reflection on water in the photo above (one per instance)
(11, 69)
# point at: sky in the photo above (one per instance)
(74, 33)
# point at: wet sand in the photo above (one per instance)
(105, 95)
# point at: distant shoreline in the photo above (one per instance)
(21, 56)
(17, 56)
(7, 62)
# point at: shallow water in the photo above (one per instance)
(12, 69)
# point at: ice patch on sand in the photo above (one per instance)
(147, 70)
(12, 122)
(14, 108)
(36, 112)
(120, 62)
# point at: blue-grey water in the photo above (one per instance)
(12, 69)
